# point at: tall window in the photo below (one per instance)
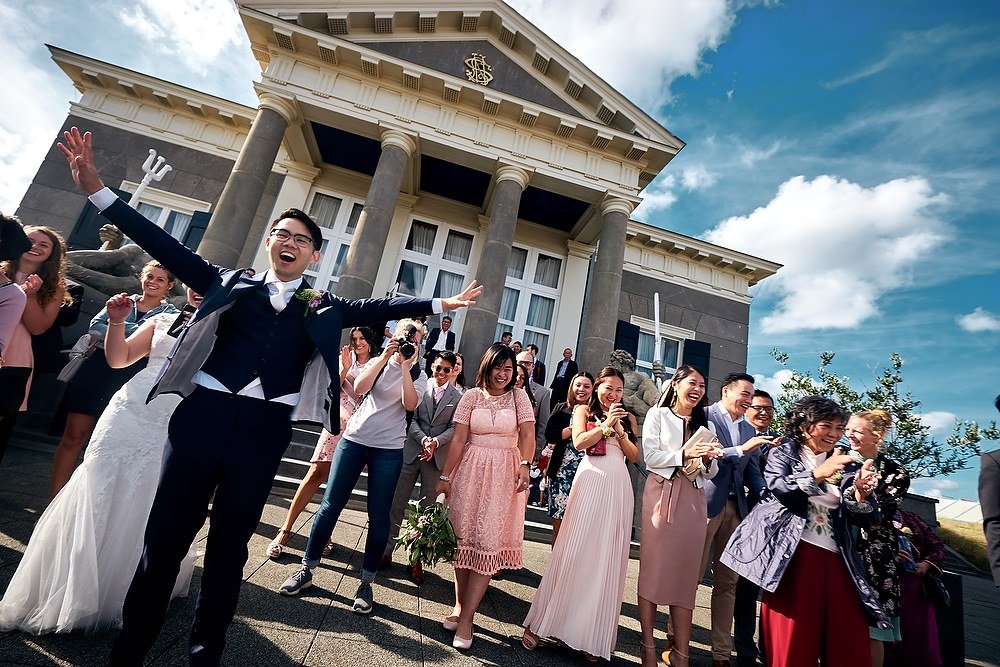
(337, 217)
(530, 297)
(168, 210)
(434, 261)
(671, 345)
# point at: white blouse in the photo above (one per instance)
(663, 445)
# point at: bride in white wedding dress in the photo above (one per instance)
(85, 547)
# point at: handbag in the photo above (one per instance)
(936, 592)
(601, 448)
(77, 355)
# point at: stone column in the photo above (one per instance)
(479, 329)
(598, 331)
(571, 300)
(365, 255)
(232, 217)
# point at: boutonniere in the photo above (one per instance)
(312, 298)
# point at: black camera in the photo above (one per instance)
(407, 344)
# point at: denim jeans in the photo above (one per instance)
(349, 459)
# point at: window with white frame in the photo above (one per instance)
(434, 260)
(671, 345)
(530, 297)
(170, 211)
(337, 216)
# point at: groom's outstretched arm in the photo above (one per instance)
(181, 261)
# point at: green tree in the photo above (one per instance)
(910, 443)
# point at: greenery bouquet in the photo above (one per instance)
(426, 534)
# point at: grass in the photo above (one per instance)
(965, 538)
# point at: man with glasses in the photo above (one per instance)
(425, 448)
(543, 400)
(257, 355)
(760, 414)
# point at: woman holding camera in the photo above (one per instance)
(374, 437)
(577, 604)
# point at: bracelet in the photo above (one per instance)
(445, 478)
(526, 463)
(606, 430)
(117, 324)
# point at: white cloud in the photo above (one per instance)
(638, 47)
(195, 31)
(34, 100)
(751, 155)
(658, 196)
(939, 422)
(772, 384)
(935, 488)
(843, 246)
(979, 320)
(698, 178)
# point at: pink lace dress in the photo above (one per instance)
(327, 441)
(487, 514)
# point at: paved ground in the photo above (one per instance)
(318, 628)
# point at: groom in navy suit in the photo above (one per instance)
(258, 354)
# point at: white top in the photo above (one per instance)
(733, 426)
(663, 445)
(380, 420)
(819, 523)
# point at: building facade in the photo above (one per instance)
(434, 143)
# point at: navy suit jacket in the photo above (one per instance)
(319, 397)
(736, 470)
(431, 340)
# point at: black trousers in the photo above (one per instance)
(745, 622)
(222, 445)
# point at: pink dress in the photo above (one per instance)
(348, 404)
(487, 514)
(579, 599)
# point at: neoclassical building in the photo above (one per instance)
(435, 143)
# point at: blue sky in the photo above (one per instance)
(855, 142)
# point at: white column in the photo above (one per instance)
(570, 311)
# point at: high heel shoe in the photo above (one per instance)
(461, 644)
(449, 624)
(647, 654)
(672, 653)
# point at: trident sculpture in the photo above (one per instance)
(155, 170)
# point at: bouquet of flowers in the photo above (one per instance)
(426, 534)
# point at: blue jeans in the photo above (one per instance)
(349, 459)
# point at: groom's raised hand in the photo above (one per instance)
(80, 155)
(465, 299)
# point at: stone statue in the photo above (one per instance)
(110, 272)
(641, 393)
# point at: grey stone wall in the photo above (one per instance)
(714, 319)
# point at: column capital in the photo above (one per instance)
(286, 108)
(406, 142)
(303, 172)
(509, 172)
(617, 205)
(581, 250)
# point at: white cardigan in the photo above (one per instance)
(662, 445)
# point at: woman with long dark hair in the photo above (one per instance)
(565, 457)
(799, 545)
(581, 605)
(674, 510)
(353, 358)
(485, 480)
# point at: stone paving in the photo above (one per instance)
(318, 627)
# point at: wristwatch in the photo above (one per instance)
(606, 430)
(526, 463)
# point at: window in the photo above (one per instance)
(530, 297)
(671, 345)
(170, 211)
(337, 216)
(434, 260)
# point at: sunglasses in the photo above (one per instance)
(442, 369)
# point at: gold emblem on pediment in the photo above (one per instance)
(478, 69)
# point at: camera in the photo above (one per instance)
(407, 344)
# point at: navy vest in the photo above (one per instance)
(252, 341)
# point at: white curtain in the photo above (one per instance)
(645, 351)
(411, 278)
(518, 258)
(547, 271)
(421, 237)
(150, 212)
(314, 267)
(540, 311)
(352, 222)
(324, 210)
(458, 247)
(338, 266)
(448, 284)
(177, 224)
(508, 304)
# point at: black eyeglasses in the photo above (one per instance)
(442, 369)
(301, 240)
(762, 408)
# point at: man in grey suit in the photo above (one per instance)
(425, 448)
(543, 400)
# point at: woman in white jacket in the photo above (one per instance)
(674, 510)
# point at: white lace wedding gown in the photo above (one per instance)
(85, 547)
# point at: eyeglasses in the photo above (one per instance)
(442, 369)
(301, 240)
(762, 408)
